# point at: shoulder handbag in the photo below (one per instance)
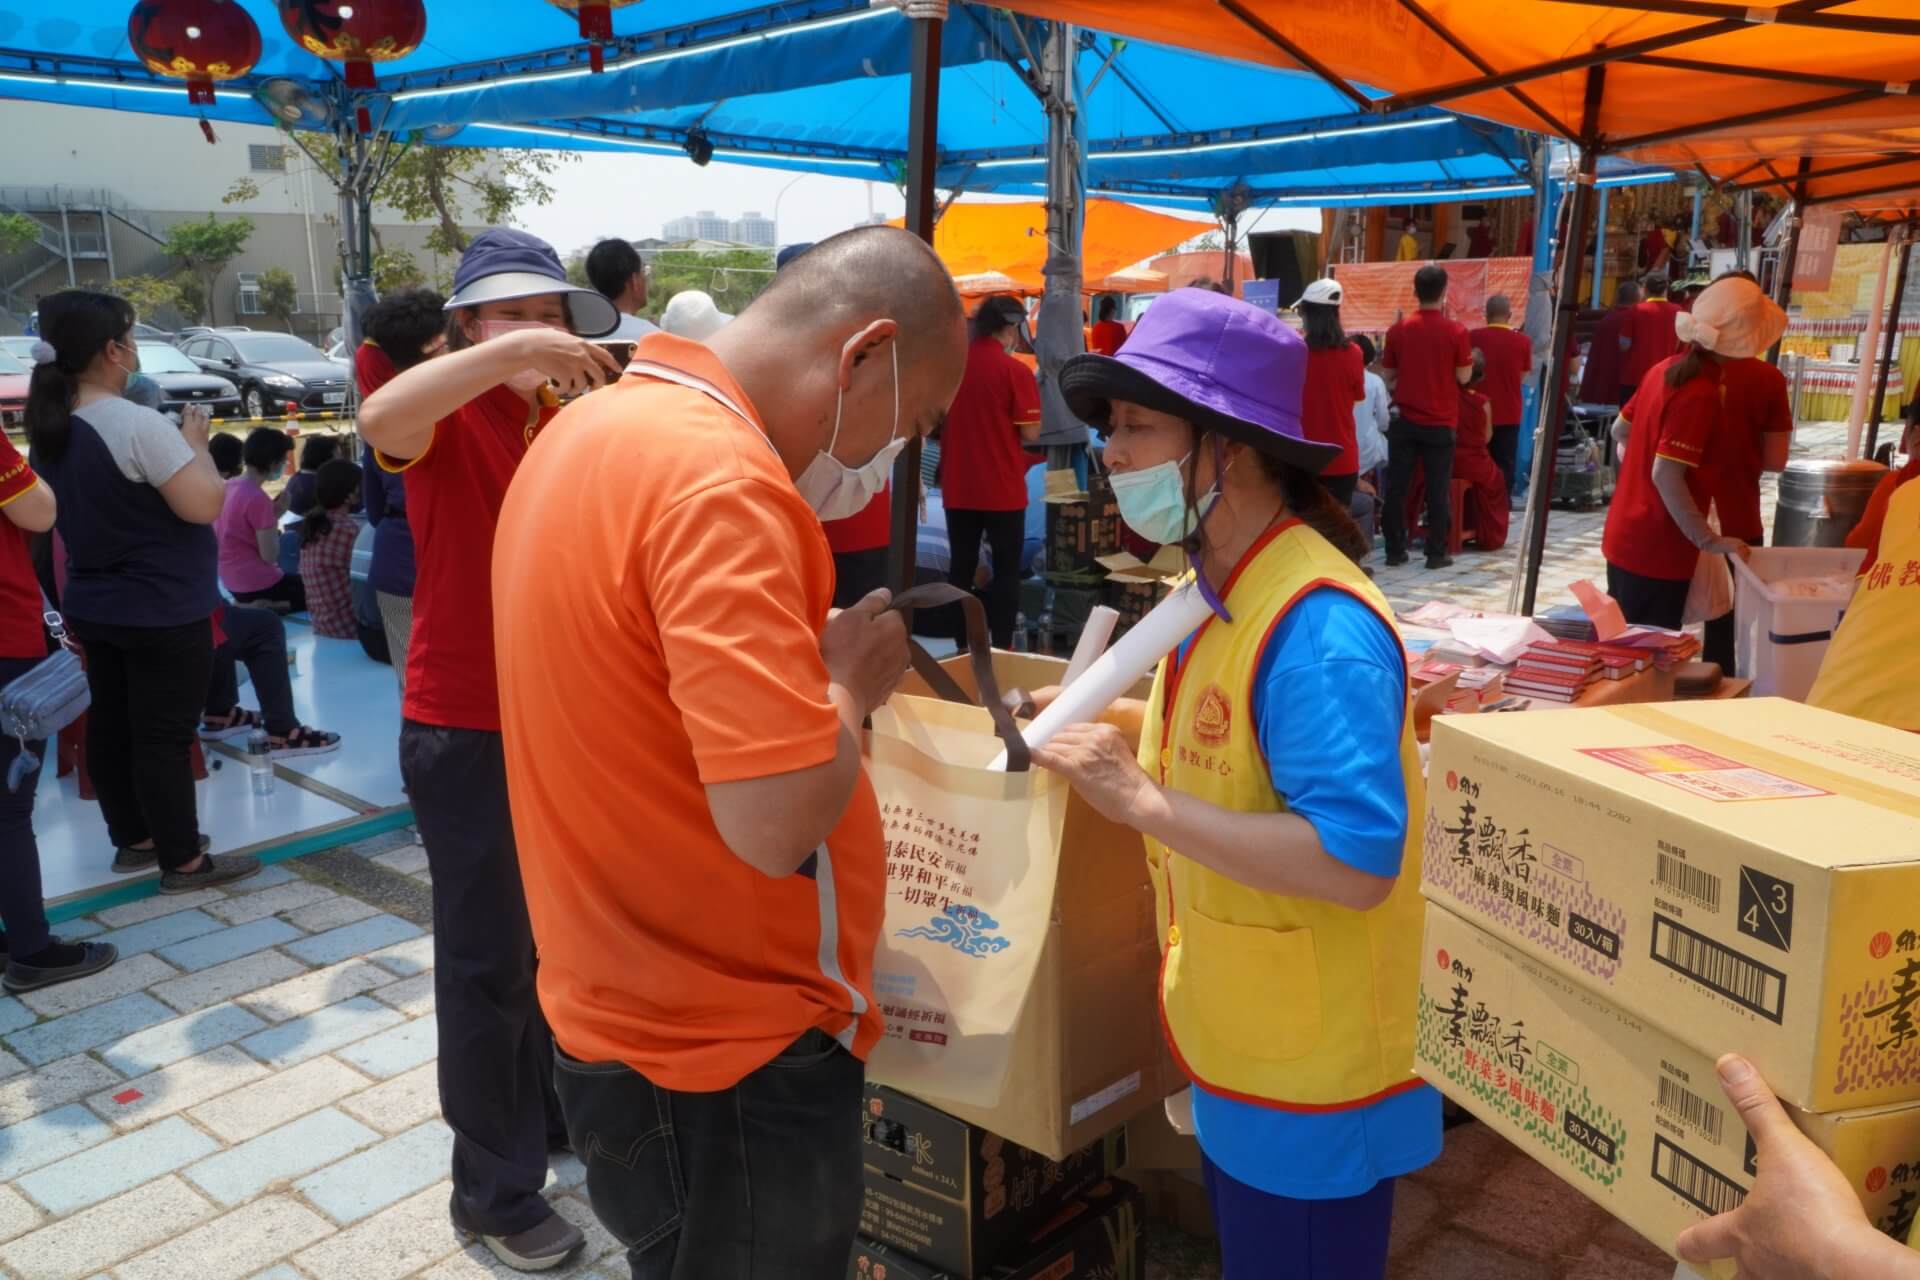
(39, 703)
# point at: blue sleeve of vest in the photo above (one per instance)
(1328, 703)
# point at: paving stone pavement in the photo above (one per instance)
(249, 1094)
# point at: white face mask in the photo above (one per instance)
(835, 490)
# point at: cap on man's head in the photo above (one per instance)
(788, 254)
(503, 264)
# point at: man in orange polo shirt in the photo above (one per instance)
(701, 850)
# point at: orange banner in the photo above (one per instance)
(1379, 293)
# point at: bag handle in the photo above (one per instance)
(931, 596)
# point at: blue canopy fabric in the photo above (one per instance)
(809, 85)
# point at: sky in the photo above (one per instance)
(600, 195)
(632, 196)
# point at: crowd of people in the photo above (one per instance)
(633, 706)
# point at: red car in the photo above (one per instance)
(15, 373)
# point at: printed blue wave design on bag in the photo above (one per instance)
(963, 928)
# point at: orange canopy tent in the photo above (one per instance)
(1740, 92)
(1010, 240)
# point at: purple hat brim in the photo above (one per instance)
(1090, 383)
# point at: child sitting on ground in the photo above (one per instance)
(326, 549)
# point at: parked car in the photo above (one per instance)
(19, 346)
(15, 374)
(274, 371)
(182, 382)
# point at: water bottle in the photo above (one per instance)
(260, 762)
(1020, 633)
(1044, 641)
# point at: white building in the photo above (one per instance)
(704, 225)
(105, 209)
(752, 228)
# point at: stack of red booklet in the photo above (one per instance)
(1556, 670)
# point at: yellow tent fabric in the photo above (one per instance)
(1011, 239)
(1742, 91)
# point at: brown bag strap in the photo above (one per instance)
(931, 596)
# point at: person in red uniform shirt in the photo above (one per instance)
(1108, 333)
(1336, 381)
(1756, 432)
(1866, 534)
(1508, 358)
(1650, 334)
(1428, 358)
(1603, 380)
(1488, 507)
(458, 426)
(1657, 525)
(984, 459)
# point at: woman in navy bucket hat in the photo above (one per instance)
(458, 426)
(1273, 783)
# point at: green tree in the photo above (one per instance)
(204, 249)
(243, 189)
(279, 295)
(734, 277)
(577, 269)
(151, 295)
(190, 298)
(458, 186)
(17, 231)
(396, 269)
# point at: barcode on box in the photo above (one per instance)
(1704, 1188)
(1720, 969)
(1688, 881)
(1689, 1107)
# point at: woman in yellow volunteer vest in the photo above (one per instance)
(1276, 772)
(1865, 672)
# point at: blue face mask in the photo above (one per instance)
(1153, 501)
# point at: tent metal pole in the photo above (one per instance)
(1567, 306)
(1480, 64)
(1885, 189)
(1837, 171)
(1783, 287)
(1749, 117)
(1891, 345)
(1265, 31)
(1599, 248)
(923, 154)
(1785, 15)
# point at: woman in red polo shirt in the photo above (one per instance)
(458, 426)
(984, 461)
(1657, 527)
(1336, 381)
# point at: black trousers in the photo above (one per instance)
(22, 905)
(857, 575)
(148, 686)
(1504, 447)
(757, 1182)
(1717, 643)
(258, 638)
(291, 591)
(1342, 487)
(1409, 445)
(496, 1054)
(1648, 602)
(1006, 535)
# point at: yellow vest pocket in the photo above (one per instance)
(1256, 990)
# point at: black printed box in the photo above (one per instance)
(956, 1196)
(1096, 1236)
(1623, 1111)
(1746, 874)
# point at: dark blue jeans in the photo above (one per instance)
(757, 1182)
(258, 638)
(1264, 1235)
(22, 910)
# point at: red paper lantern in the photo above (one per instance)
(356, 32)
(200, 41)
(596, 23)
(596, 16)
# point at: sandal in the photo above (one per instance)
(305, 742)
(239, 723)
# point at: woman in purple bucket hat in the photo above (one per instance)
(1273, 783)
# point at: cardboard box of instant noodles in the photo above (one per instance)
(1744, 874)
(1615, 1106)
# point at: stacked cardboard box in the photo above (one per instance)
(1620, 895)
(959, 1198)
(1082, 525)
